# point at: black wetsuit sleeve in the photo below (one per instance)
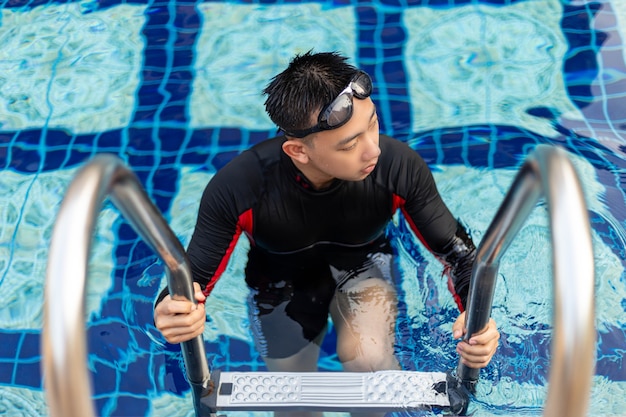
(433, 223)
(225, 201)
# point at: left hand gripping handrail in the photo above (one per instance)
(67, 381)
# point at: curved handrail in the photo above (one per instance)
(546, 172)
(63, 336)
(549, 173)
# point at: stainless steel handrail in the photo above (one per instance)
(67, 381)
(547, 172)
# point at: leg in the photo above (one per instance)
(288, 324)
(303, 361)
(364, 314)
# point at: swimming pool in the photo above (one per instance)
(173, 87)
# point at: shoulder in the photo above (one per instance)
(251, 163)
(260, 155)
(398, 156)
(402, 169)
(242, 179)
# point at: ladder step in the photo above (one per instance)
(328, 391)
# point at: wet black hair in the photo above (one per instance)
(311, 81)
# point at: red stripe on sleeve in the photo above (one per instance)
(398, 203)
(244, 224)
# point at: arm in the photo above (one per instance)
(431, 221)
(218, 227)
(447, 239)
(180, 319)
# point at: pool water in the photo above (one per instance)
(173, 88)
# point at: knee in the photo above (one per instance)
(374, 357)
(370, 285)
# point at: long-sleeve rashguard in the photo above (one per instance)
(262, 194)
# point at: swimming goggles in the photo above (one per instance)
(339, 111)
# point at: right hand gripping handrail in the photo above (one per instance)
(67, 381)
(547, 172)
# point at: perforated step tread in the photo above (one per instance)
(330, 391)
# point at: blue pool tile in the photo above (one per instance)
(109, 339)
(229, 137)
(181, 76)
(174, 112)
(257, 137)
(150, 94)
(29, 346)
(611, 357)
(176, 107)
(172, 139)
(153, 75)
(130, 406)
(20, 356)
(27, 161)
(9, 345)
(165, 180)
(184, 42)
(186, 16)
(54, 159)
(200, 139)
(110, 140)
(157, 17)
(7, 138)
(171, 370)
(56, 137)
(157, 35)
(106, 376)
(28, 374)
(135, 380)
(222, 158)
(155, 57)
(7, 370)
(141, 140)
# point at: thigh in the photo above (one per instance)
(364, 311)
(364, 316)
(283, 325)
(288, 306)
(305, 360)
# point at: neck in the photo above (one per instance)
(317, 179)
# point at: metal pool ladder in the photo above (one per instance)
(547, 172)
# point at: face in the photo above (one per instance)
(349, 153)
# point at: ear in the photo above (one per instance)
(296, 149)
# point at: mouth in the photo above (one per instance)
(369, 168)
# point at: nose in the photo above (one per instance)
(371, 150)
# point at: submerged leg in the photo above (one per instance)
(303, 361)
(364, 315)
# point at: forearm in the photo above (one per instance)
(459, 259)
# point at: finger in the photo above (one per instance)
(197, 293)
(182, 334)
(458, 328)
(475, 356)
(170, 306)
(181, 327)
(489, 334)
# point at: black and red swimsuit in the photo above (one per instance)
(296, 231)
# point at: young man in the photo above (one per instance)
(314, 204)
